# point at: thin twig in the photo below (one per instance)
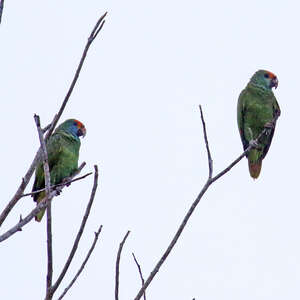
(118, 265)
(1, 9)
(78, 236)
(172, 243)
(44, 156)
(140, 272)
(27, 219)
(20, 190)
(49, 250)
(91, 38)
(43, 204)
(195, 203)
(83, 264)
(46, 128)
(27, 177)
(210, 161)
(59, 184)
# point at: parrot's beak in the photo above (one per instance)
(81, 131)
(274, 82)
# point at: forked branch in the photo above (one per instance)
(83, 264)
(42, 205)
(118, 265)
(52, 290)
(91, 38)
(140, 272)
(209, 181)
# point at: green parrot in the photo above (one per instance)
(63, 152)
(257, 107)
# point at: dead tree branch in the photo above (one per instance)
(49, 249)
(43, 204)
(47, 193)
(210, 161)
(44, 156)
(52, 290)
(118, 265)
(1, 9)
(59, 184)
(91, 38)
(20, 190)
(27, 177)
(209, 181)
(140, 272)
(83, 264)
(27, 219)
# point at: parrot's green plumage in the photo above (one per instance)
(63, 152)
(257, 107)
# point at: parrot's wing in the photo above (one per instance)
(240, 118)
(276, 107)
(54, 148)
(276, 113)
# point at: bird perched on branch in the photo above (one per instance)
(257, 108)
(63, 152)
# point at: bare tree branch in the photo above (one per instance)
(46, 128)
(91, 38)
(209, 181)
(43, 204)
(56, 118)
(83, 264)
(44, 156)
(1, 9)
(78, 236)
(59, 184)
(20, 190)
(140, 272)
(210, 161)
(118, 265)
(49, 250)
(47, 193)
(27, 219)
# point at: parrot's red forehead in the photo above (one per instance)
(79, 124)
(271, 75)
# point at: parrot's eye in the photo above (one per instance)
(266, 75)
(75, 124)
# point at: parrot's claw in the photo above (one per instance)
(253, 144)
(66, 181)
(269, 125)
(268, 132)
(58, 190)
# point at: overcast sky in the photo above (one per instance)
(138, 96)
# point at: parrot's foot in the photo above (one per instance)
(253, 144)
(58, 190)
(66, 181)
(269, 126)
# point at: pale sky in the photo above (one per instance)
(138, 96)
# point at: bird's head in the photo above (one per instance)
(265, 79)
(73, 126)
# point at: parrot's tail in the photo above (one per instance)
(38, 199)
(40, 215)
(254, 168)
